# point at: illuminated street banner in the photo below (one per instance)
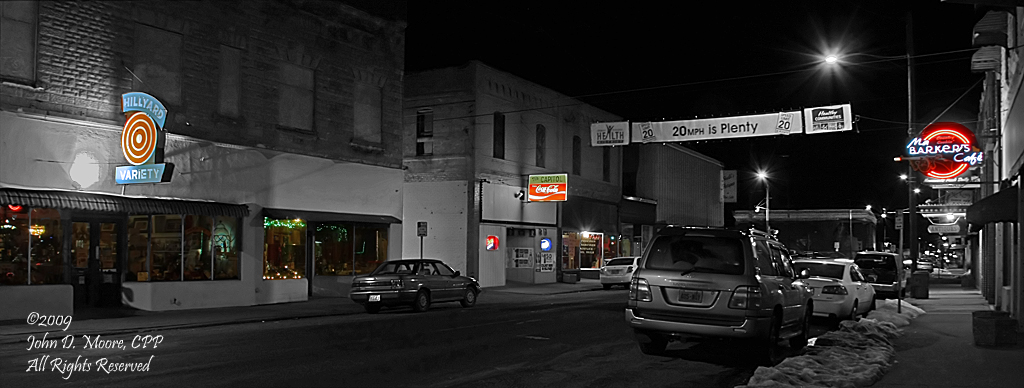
(609, 134)
(827, 119)
(944, 151)
(551, 187)
(722, 128)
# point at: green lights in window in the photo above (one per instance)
(290, 224)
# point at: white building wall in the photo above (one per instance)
(443, 205)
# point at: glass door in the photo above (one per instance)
(94, 256)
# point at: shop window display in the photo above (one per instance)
(165, 260)
(138, 249)
(14, 238)
(198, 260)
(46, 241)
(333, 246)
(371, 247)
(225, 248)
(284, 250)
(583, 250)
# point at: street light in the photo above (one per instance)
(762, 175)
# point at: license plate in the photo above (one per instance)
(690, 296)
(375, 298)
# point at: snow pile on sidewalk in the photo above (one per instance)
(886, 311)
(856, 355)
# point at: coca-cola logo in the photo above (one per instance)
(547, 189)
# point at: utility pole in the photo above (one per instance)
(911, 179)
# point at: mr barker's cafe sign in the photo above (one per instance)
(139, 138)
(944, 151)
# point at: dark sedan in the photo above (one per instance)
(416, 283)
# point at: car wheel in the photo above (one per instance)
(468, 298)
(770, 352)
(853, 311)
(871, 306)
(607, 286)
(372, 308)
(422, 302)
(800, 340)
(655, 346)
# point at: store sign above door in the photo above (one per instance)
(550, 187)
(139, 138)
(944, 151)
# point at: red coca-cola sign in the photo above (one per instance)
(551, 187)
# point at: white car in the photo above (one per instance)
(619, 271)
(839, 289)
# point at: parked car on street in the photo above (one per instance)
(839, 289)
(884, 271)
(925, 264)
(619, 271)
(416, 283)
(718, 282)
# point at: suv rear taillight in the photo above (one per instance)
(746, 297)
(639, 290)
(837, 290)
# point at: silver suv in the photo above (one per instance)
(717, 282)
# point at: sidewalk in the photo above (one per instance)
(130, 321)
(937, 349)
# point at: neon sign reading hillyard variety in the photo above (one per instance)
(145, 117)
(944, 150)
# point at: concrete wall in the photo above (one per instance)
(443, 206)
(17, 302)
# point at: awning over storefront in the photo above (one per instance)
(318, 216)
(998, 207)
(584, 215)
(115, 204)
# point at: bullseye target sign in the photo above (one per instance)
(140, 140)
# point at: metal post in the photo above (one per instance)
(767, 206)
(911, 199)
(421, 247)
(851, 233)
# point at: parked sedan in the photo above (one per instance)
(840, 290)
(416, 283)
(619, 271)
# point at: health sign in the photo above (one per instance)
(551, 187)
(944, 151)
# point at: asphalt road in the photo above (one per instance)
(568, 340)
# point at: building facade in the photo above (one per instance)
(281, 138)
(476, 134)
(996, 215)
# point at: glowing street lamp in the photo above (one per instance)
(762, 175)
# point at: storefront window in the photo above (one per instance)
(166, 248)
(225, 248)
(333, 252)
(284, 249)
(371, 247)
(47, 261)
(14, 237)
(138, 249)
(198, 247)
(583, 250)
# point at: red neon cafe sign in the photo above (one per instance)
(944, 150)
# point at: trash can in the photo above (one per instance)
(992, 328)
(919, 285)
(570, 277)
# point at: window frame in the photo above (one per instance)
(34, 60)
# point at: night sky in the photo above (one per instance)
(650, 61)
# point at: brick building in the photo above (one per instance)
(282, 120)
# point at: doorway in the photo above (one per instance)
(95, 262)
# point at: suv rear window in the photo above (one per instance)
(628, 261)
(821, 270)
(696, 254)
(868, 261)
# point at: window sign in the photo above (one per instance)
(522, 257)
(545, 244)
(491, 243)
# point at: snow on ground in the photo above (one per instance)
(856, 355)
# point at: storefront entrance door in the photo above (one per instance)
(96, 265)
